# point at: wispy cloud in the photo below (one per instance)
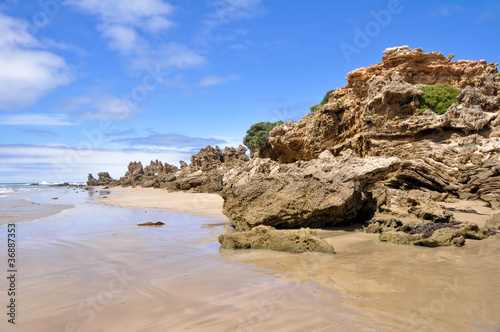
(36, 163)
(170, 140)
(41, 133)
(27, 73)
(168, 56)
(226, 11)
(129, 132)
(35, 120)
(217, 80)
(446, 10)
(487, 16)
(126, 25)
(100, 107)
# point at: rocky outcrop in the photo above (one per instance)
(432, 236)
(372, 153)
(265, 237)
(322, 192)
(377, 114)
(204, 174)
(103, 180)
(209, 158)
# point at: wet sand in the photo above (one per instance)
(92, 268)
(397, 287)
(13, 210)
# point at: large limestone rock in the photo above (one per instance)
(265, 237)
(322, 192)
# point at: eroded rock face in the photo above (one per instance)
(376, 114)
(322, 192)
(265, 237)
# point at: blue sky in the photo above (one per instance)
(89, 85)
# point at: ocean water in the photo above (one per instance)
(28, 202)
(17, 189)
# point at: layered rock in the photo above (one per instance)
(377, 114)
(372, 154)
(265, 237)
(322, 192)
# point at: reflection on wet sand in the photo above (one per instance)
(399, 287)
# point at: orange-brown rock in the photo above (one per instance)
(377, 114)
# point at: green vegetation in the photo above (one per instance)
(258, 132)
(437, 97)
(325, 100)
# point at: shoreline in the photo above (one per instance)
(22, 210)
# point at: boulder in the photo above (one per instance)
(265, 237)
(322, 192)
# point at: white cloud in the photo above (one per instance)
(123, 39)
(37, 163)
(225, 12)
(101, 107)
(127, 25)
(168, 56)
(27, 72)
(170, 140)
(35, 120)
(149, 14)
(217, 80)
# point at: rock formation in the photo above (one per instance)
(373, 154)
(265, 237)
(322, 192)
(376, 114)
(103, 180)
(204, 174)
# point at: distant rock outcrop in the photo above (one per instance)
(204, 174)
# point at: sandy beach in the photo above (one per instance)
(209, 205)
(396, 287)
(91, 268)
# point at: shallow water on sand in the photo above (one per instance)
(91, 268)
(401, 287)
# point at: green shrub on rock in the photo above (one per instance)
(324, 101)
(257, 133)
(438, 97)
